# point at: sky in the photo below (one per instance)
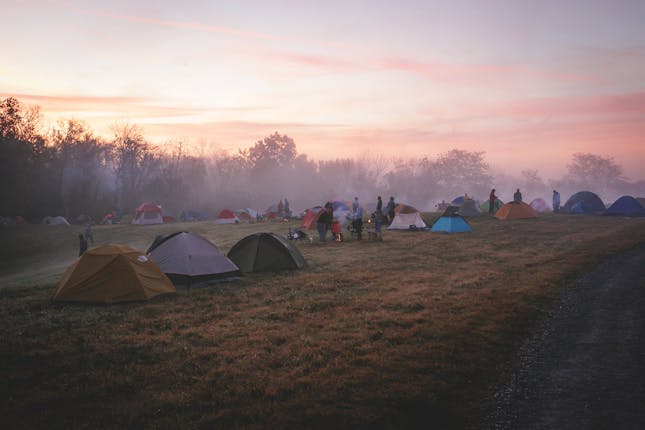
(527, 82)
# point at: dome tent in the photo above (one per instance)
(110, 274)
(583, 202)
(148, 213)
(626, 206)
(406, 217)
(513, 210)
(265, 252)
(486, 204)
(540, 205)
(451, 224)
(189, 259)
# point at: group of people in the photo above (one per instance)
(517, 198)
(379, 217)
(284, 211)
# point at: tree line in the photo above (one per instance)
(70, 171)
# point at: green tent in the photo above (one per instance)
(498, 204)
(265, 252)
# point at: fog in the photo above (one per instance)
(69, 171)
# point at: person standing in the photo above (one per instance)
(517, 197)
(556, 202)
(88, 234)
(389, 209)
(357, 219)
(82, 244)
(287, 210)
(492, 198)
(280, 209)
(379, 204)
(325, 220)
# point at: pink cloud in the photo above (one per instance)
(613, 104)
(473, 73)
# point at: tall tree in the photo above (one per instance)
(458, 172)
(135, 161)
(595, 172)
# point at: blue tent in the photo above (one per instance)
(583, 202)
(451, 224)
(457, 201)
(626, 206)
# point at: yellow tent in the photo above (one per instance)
(515, 211)
(112, 273)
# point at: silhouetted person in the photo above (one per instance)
(517, 197)
(324, 221)
(357, 219)
(280, 209)
(82, 244)
(88, 234)
(492, 198)
(379, 204)
(556, 202)
(389, 209)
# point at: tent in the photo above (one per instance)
(272, 211)
(108, 218)
(406, 217)
(246, 214)
(497, 206)
(110, 274)
(583, 202)
(451, 224)
(310, 218)
(55, 220)
(193, 215)
(469, 207)
(265, 252)
(626, 206)
(148, 213)
(514, 210)
(540, 205)
(226, 216)
(641, 200)
(189, 259)
(457, 201)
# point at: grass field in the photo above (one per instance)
(409, 332)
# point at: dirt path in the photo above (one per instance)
(585, 367)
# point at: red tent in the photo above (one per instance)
(310, 217)
(226, 216)
(148, 213)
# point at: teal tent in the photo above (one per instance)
(451, 224)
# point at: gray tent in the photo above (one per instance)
(189, 259)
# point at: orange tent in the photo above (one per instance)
(112, 273)
(515, 211)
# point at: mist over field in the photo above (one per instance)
(70, 171)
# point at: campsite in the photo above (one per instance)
(413, 329)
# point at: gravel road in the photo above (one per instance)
(585, 366)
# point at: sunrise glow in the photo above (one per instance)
(529, 83)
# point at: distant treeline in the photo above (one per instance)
(70, 171)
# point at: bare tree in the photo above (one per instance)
(595, 173)
(135, 161)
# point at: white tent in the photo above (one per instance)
(404, 221)
(406, 216)
(55, 220)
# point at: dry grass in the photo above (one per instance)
(405, 333)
